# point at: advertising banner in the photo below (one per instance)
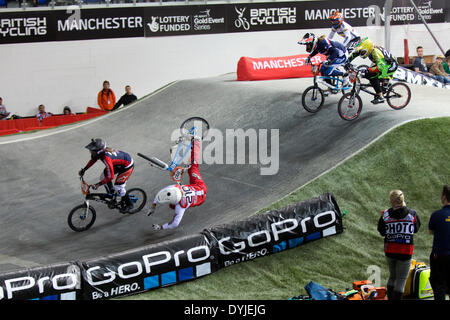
(413, 77)
(83, 23)
(166, 21)
(276, 230)
(276, 67)
(54, 282)
(147, 268)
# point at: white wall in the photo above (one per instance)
(71, 72)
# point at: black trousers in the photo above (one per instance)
(440, 275)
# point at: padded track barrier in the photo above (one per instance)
(176, 261)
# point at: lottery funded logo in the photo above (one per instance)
(167, 24)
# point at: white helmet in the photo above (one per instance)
(170, 194)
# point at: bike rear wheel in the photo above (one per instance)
(398, 96)
(200, 125)
(313, 99)
(81, 218)
(138, 199)
(350, 106)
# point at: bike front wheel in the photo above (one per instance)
(398, 96)
(313, 99)
(195, 126)
(81, 218)
(350, 106)
(138, 199)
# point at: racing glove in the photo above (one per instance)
(308, 60)
(156, 227)
(95, 186)
(81, 172)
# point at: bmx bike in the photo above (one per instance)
(83, 216)
(190, 128)
(397, 95)
(314, 96)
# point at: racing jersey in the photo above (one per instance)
(346, 31)
(332, 49)
(115, 161)
(385, 62)
(192, 194)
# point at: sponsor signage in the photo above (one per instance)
(276, 67)
(180, 260)
(148, 268)
(185, 20)
(56, 282)
(413, 77)
(276, 230)
(75, 23)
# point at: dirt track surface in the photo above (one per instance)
(39, 183)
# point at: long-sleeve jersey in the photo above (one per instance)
(115, 161)
(193, 194)
(332, 49)
(344, 30)
(384, 62)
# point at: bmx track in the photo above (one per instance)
(39, 183)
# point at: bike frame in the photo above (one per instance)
(87, 195)
(175, 169)
(321, 79)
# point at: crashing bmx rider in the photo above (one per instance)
(116, 162)
(179, 196)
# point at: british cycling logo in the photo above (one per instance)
(22, 27)
(265, 16)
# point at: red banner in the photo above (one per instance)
(276, 67)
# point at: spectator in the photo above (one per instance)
(419, 62)
(106, 98)
(127, 98)
(67, 111)
(3, 113)
(437, 69)
(447, 62)
(42, 114)
(398, 225)
(439, 227)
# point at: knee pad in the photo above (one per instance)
(120, 189)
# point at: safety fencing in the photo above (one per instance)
(17, 125)
(172, 262)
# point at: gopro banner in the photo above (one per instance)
(55, 282)
(147, 268)
(83, 23)
(276, 67)
(276, 230)
(172, 262)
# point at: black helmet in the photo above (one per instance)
(97, 145)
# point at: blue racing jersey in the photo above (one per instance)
(331, 49)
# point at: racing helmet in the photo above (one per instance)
(96, 146)
(336, 18)
(310, 40)
(364, 47)
(172, 195)
(368, 292)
